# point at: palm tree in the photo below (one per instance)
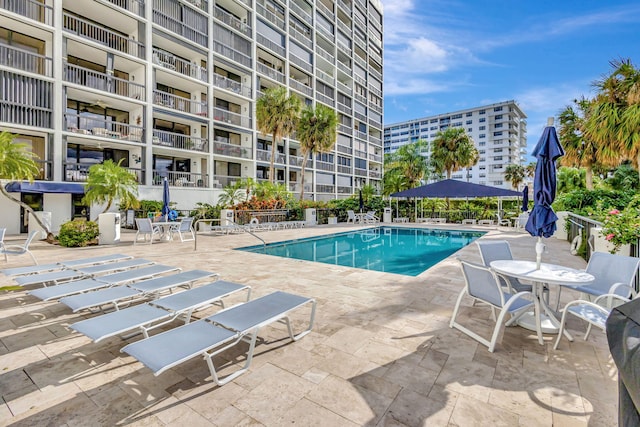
(514, 174)
(393, 182)
(453, 150)
(233, 194)
(581, 151)
(409, 162)
(17, 163)
(614, 119)
(530, 169)
(109, 181)
(317, 133)
(277, 114)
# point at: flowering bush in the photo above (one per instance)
(622, 228)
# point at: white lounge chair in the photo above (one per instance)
(351, 217)
(215, 334)
(62, 265)
(61, 276)
(160, 312)
(146, 229)
(483, 285)
(20, 249)
(116, 296)
(371, 218)
(184, 229)
(91, 284)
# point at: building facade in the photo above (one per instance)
(498, 130)
(169, 88)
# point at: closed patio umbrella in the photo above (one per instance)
(361, 202)
(542, 221)
(525, 199)
(165, 199)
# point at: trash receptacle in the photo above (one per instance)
(386, 216)
(43, 216)
(623, 334)
(310, 216)
(109, 228)
(227, 217)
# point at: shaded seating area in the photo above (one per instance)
(224, 330)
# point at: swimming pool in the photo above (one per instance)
(407, 251)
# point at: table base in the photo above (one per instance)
(528, 321)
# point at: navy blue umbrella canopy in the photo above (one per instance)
(525, 199)
(361, 202)
(165, 198)
(542, 221)
(456, 189)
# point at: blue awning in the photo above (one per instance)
(456, 189)
(41, 187)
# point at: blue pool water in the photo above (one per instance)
(407, 251)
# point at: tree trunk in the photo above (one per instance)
(274, 148)
(304, 166)
(50, 236)
(588, 177)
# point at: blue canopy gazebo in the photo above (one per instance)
(453, 189)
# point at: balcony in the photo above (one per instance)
(344, 169)
(176, 26)
(226, 83)
(324, 54)
(325, 166)
(270, 72)
(270, 16)
(25, 100)
(272, 46)
(265, 156)
(344, 109)
(79, 172)
(375, 158)
(302, 63)
(133, 6)
(104, 128)
(296, 161)
(360, 172)
(301, 87)
(221, 181)
(233, 54)
(232, 150)
(180, 179)
(226, 116)
(179, 103)
(103, 36)
(227, 18)
(345, 129)
(304, 39)
(305, 16)
(322, 188)
(325, 99)
(178, 140)
(171, 62)
(345, 190)
(325, 10)
(24, 60)
(344, 149)
(375, 174)
(31, 9)
(102, 81)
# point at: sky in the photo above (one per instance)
(446, 55)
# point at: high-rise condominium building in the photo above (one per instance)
(169, 88)
(498, 130)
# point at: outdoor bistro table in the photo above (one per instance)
(166, 227)
(544, 318)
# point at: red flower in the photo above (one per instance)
(610, 236)
(614, 212)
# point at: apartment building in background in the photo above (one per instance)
(498, 130)
(169, 88)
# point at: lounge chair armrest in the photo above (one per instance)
(614, 288)
(13, 247)
(609, 300)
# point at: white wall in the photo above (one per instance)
(10, 213)
(60, 207)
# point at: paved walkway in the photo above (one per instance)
(381, 353)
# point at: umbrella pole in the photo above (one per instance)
(539, 251)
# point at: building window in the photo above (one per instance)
(469, 114)
(498, 109)
(482, 128)
(497, 133)
(482, 120)
(497, 125)
(481, 112)
(469, 122)
(482, 135)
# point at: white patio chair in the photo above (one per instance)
(614, 274)
(19, 249)
(495, 250)
(371, 218)
(2, 232)
(184, 228)
(483, 285)
(351, 217)
(146, 228)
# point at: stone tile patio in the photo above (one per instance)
(381, 353)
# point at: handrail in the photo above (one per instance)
(203, 220)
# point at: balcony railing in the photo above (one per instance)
(45, 171)
(270, 16)
(233, 54)
(321, 188)
(134, 6)
(103, 36)
(171, 62)
(178, 140)
(24, 60)
(325, 99)
(226, 83)
(325, 166)
(301, 87)
(304, 39)
(25, 100)
(305, 16)
(375, 157)
(375, 174)
(360, 172)
(270, 72)
(324, 54)
(274, 47)
(179, 103)
(102, 81)
(344, 149)
(297, 161)
(232, 21)
(231, 150)
(103, 128)
(32, 9)
(172, 24)
(345, 190)
(326, 11)
(345, 129)
(221, 181)
(180, 179)
(227, 116)
(265, 156)
(344, 169)
(302, 63)
(79, 172)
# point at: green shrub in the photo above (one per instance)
(78, 233)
